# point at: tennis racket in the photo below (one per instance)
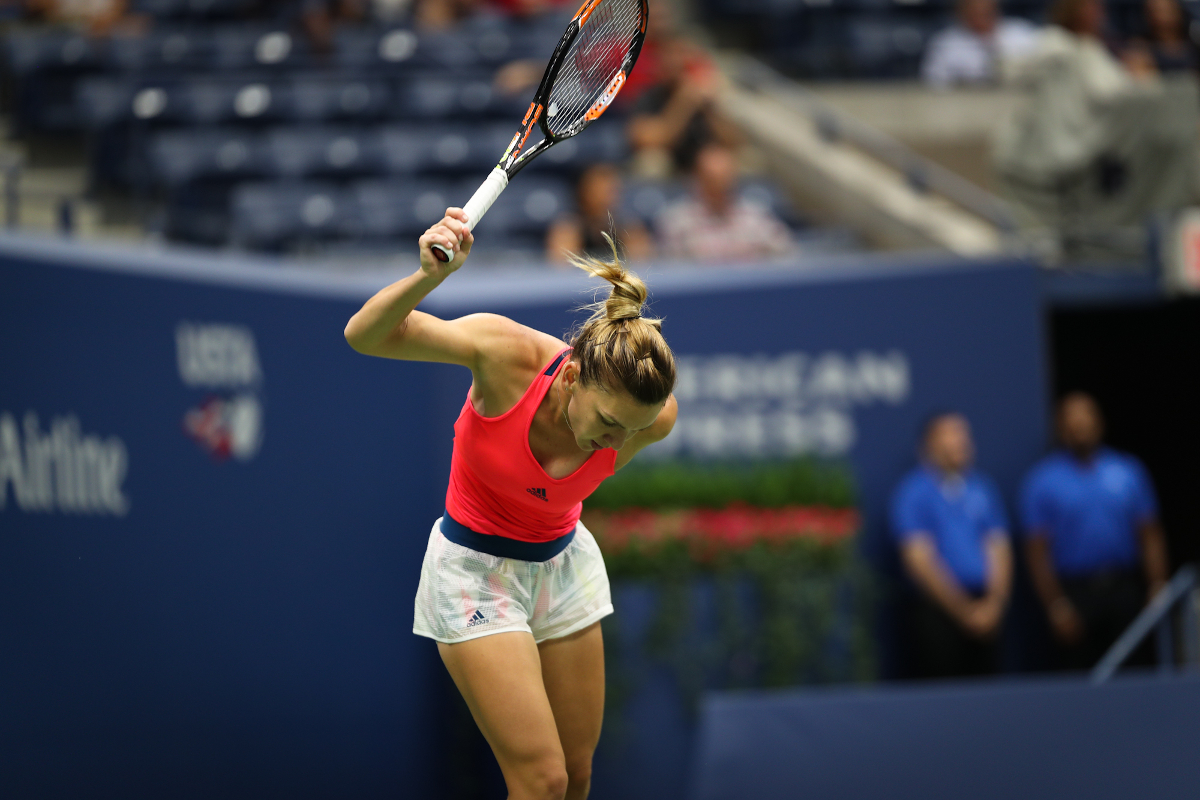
(590, 65)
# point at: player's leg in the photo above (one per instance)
(573, 673)
(500, 677)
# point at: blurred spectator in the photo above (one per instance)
(528, 8)
(1095, 143)
(1075, 82)
(437, 15)
(716, 223)
(320, 18)
(950, 525)
(676, 114)
(968, 51)
(598, 194)
(1096, 551)
(1166, 41)
(94, 17)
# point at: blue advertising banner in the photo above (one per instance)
(212, 511)
(212, 516)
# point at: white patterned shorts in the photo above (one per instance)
(465, 594)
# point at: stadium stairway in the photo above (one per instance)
(841, 169)
(47, 197)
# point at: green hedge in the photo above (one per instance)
(789, 611)
(691, 484)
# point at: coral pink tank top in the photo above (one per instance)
(497, 487)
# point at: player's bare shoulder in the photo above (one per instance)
(663, 424)
(510, 355)
(662, 427)
(504, 344)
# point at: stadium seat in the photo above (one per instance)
(740, 9)
(450, 149)
(887, 45)
(812, 43)
(473, 149)
(386, 50)
(255, 47)
(297, 152)
(545, 29)
(498, 44)
(483, 42)
(331, 98)
(250, 101)
(181, 157)
(463, 96)
(391, 208)
(405, 148)
(447, 50)
(401, 49)
(160, 9)
(30, 51)
(193, 9)
(269, 215)
(104, 101)
(153, 52)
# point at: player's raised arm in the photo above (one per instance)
(387, 324)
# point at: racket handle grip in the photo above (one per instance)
(478, 205)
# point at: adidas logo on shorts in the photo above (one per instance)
(540, 494)
(476, 619)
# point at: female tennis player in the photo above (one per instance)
(513, 586)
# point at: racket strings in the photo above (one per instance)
(595, 57)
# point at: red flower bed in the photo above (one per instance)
(711, 532)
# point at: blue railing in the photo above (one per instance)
(1182, 591)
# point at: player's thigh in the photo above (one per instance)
(573, 674)
(500, 678)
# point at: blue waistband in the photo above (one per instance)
(502, 546)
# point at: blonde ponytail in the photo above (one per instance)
(618, 348)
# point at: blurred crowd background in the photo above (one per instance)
(347, 128)
(340, 130)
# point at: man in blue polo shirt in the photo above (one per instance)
(950, 525)
(1096, 551)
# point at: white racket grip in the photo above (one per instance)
(484, 196)
(480, 202)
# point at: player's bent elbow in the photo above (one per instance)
(369, 343)
(360, 343)
(354, 339)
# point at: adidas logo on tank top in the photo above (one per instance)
(476, 619)
(540, 494)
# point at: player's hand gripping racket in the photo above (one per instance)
(590, 65)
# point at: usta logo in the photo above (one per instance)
(223, 358)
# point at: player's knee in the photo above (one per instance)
(579, 774)
(546, 780)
